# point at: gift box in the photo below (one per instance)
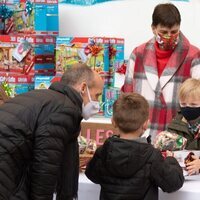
(6, 15)
(119, 75)
(27, 54)
(17, 84)
(111, 95)
(169, 141)
(92, 51)
(87, 149)
(116, 53)
(30, 17)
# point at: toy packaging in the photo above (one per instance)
(27, 54)
(116, 56)
(43, 82)
(30, 17)
(92, 51)
(119, 75)
(116, 53)
(7, 8)
(17, 84)
(111, 95)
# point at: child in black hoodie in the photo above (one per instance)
(126, 166)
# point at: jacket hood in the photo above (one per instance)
(68, 91)
(123, 158)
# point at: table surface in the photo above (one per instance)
(189, 191)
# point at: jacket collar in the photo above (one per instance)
(67, 91)
(175, 61)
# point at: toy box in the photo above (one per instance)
(92, 51)
(17, 84)
(31, 17)
(6, 20)
(119, 75)
(111, 94)
(43, 82)
(116, 57)
(27, 54)
(116, 53)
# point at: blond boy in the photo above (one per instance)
(187, 121)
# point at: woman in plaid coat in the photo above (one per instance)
(157, 68)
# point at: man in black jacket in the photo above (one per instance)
(38, 137)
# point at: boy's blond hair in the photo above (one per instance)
(189, 88)
(130, 111)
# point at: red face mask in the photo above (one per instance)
(167, 42)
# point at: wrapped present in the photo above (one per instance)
(169, 141)
(189, 158)
(86, 146)
(119, 75)
(87, 149)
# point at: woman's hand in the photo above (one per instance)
(169, 153)
(194, 166)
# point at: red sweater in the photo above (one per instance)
(162, 58)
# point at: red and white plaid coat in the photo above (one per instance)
(161, 93)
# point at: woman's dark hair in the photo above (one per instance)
(166, 14)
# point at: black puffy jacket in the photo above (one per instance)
(38, 144)
(131, 170)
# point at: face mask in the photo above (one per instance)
(167, 42)
(91, 108)
(190, 113)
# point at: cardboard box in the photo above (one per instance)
(44, 82)
(41, 19)
(116, 53)
(34, 56)
(18, 84)
(97, 131)
(93, 51)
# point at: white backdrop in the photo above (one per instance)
(129, 19)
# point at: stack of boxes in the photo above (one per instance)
(102, 54)
(27, 41)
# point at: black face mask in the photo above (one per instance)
(190, 113)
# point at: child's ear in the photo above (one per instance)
(113, 123)
(153, 28)
(145, 125)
